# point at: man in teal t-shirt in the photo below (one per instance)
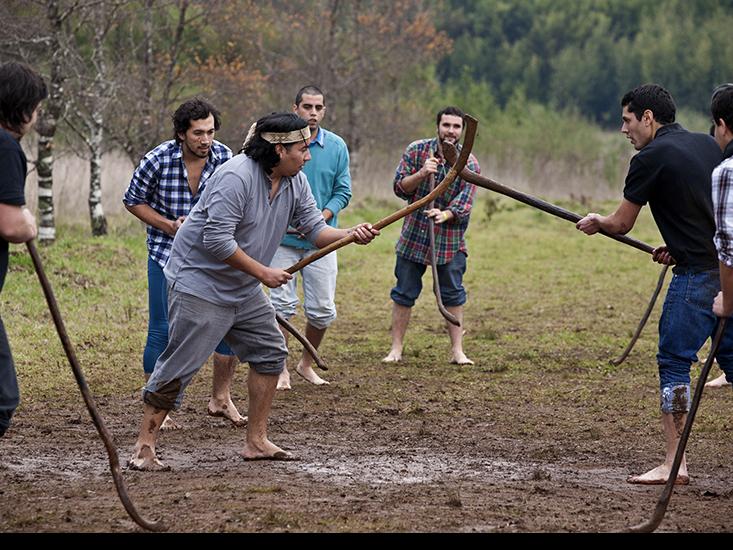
(330, 182)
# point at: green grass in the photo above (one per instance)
(548, 308)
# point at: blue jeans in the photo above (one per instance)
(158, 318)
(686, 323)
(9, 395)
(409, 281)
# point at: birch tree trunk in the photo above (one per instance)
(46, 129)
(100, 96)
(96, 212)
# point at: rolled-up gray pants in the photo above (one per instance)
(197, 326)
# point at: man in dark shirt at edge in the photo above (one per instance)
(21, 93)
(672, 172)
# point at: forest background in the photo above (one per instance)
(544, 78)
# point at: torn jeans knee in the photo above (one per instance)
(675, 399)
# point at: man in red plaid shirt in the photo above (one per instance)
(450, 214)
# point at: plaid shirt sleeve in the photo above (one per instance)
(412, 160)
(463, 202)
(144, 181)
(723, 209)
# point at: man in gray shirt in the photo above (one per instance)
(218, 260)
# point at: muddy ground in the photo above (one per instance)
(437, 459)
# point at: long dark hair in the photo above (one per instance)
(263, 152)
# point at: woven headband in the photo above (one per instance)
(295, 136)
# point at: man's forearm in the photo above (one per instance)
(329, 235)
(17, 224)
(148, 215)
(726, 285)
(410, 183)
(243, 262)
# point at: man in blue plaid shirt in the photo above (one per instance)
(164, 188)
(450, 215)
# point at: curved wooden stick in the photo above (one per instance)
(644, 318)
(303, 340)
(433, 264)
(663, 502)
(114, 462)
(487, 183)
(458, 165)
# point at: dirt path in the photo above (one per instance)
(426, 463)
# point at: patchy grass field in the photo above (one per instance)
(538, 436)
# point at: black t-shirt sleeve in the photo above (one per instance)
(12, 177)
(639, 181)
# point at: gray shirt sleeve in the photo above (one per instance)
(307, 218)
(225, 206)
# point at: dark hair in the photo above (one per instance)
(21, 91)
(721, 105)
(653, 97)
(263, 152)
(453, 111)
(193, 109)
(310, 90)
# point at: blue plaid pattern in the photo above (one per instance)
(160, 181)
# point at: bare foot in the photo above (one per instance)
(459, 358)
(226, 410)
(169, 425)
(394, 356)
(144, 459)
(283, 381)
(309, 374)
(719, 382)
(659, 476)
(265, 451)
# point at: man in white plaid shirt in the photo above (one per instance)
(722, 110)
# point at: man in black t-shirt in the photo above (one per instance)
(21, 92)
(672, 173)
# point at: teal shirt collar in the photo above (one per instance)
(320, 138)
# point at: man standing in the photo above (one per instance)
(164, 187)
(450, 215)
(217, 264)
(330, 182)
(721, 107)
(21, 93)
(672, 173)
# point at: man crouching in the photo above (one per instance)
(220, 256)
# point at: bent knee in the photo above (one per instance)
(269, 369)
(321, 318)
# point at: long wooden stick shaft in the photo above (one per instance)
(87, 395)
(487, 183)
(644, 318)
(664, 498)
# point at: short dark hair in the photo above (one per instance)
(193, 109)
(263, 152)
(453, 111)
(721, 105)
(653, 97)
(309, 90)
(21, 91)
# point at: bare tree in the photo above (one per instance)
(95, 82)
